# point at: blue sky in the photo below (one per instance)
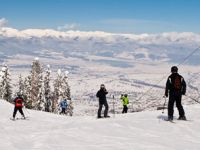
(121, 16)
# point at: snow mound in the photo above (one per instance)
(139, 131)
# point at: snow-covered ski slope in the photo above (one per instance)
(134, 131)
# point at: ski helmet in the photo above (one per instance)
(174, 69)
(102, 86)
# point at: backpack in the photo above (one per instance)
(177, 83)
(18, 102)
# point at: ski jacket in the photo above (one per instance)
(175, 85)
(125, 100)
(63, 104)
(18, 102)
(101, 94)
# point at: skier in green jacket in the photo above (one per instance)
(125, 103)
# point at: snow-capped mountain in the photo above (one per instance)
(118, 50)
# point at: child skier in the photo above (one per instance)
(63, 105)
(18, 101)
(125, 102)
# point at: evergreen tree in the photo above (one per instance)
(70, 108)
(66, 87)
(67, 93)
(41, 96)
(5, 87)
(36, 85)
(58, 93)
(47, 90)
(27, 92)
(21, 85)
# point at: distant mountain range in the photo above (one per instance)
(116, 50)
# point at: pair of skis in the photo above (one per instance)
(174, 121)
(18, 118)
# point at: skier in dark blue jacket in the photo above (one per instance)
(63, 106)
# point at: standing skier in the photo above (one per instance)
(63, 105)
(125, 102)
(18, 101)
(101, 94)
(175, 87)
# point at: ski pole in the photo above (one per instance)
(164, 104)
(26, 110)
(113, 106)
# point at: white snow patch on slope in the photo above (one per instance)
(140, 131)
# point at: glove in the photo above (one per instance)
(183, 93)
(166, 94)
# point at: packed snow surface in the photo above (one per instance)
(139, 131)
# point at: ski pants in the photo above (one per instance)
(63, 111)
(105, 111)
(125, 109)
(18, 109)
(172, 99)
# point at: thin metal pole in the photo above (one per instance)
(164, 105)
(113, 106)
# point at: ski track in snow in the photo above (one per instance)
(139, 131)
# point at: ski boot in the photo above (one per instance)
(170, 118)
(182, 118)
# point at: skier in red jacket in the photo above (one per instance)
(18, 101)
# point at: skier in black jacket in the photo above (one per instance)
(101, 94)
(175, 87)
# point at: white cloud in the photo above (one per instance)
(71, 26)
(3, 22)
(160, 38)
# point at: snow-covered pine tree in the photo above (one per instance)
(41, 96)
(65, 86)
(57, 94)
(27, 92)
(21, 85)
(36, 85)
(67, 93)
(47, 90)
(5, 85)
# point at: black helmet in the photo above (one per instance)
(125, 95)
(174, 69)
(102, 86)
